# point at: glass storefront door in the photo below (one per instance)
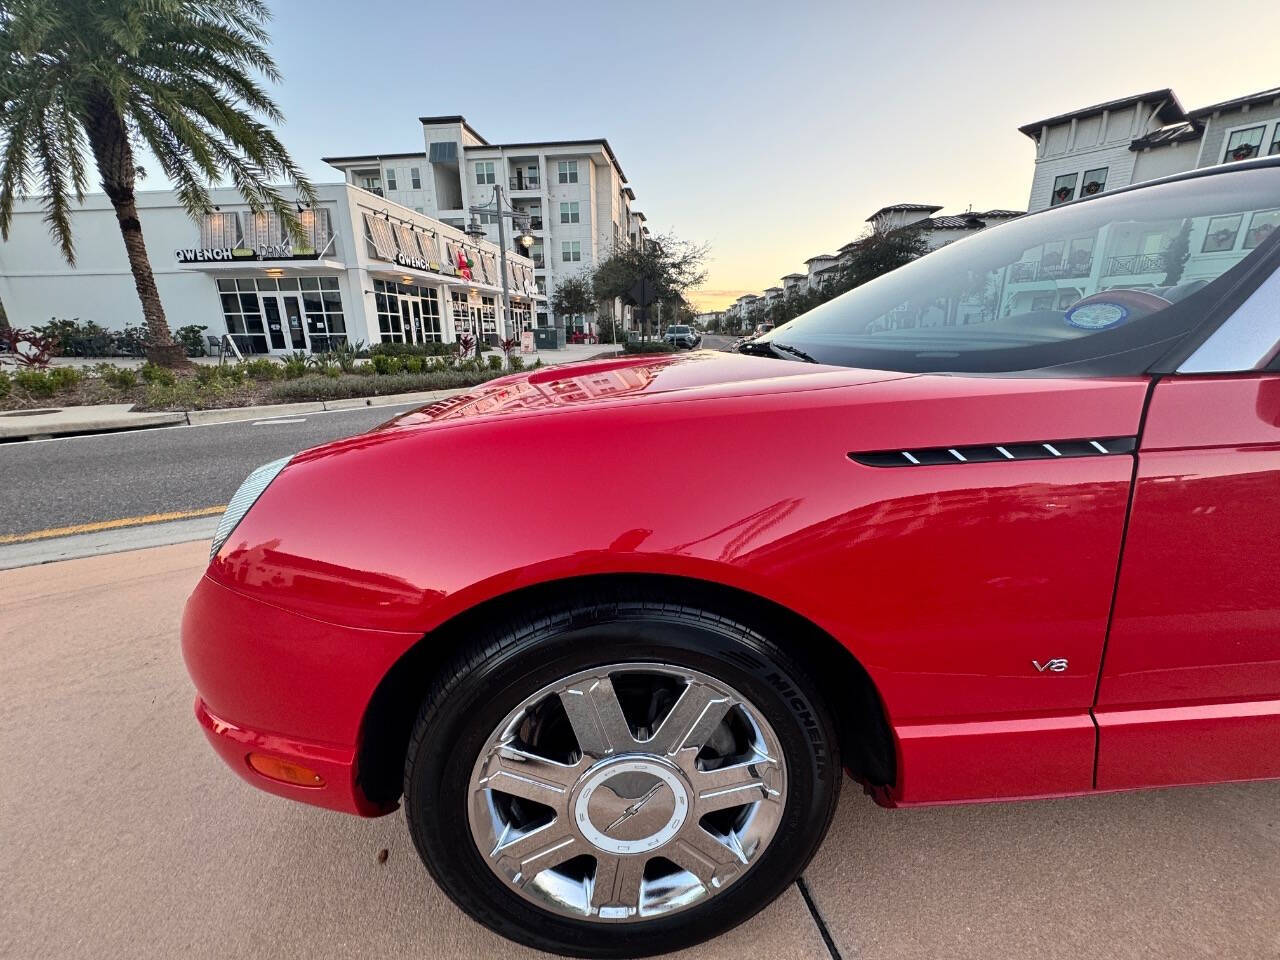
(293, 311)
(277, 315)
(275, 325)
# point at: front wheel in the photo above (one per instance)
(620, 779)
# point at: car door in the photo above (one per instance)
(1190, 688)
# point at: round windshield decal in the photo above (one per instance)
(1098, 315)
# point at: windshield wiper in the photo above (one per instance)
(793, 351)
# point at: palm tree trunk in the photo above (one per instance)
(114, 156)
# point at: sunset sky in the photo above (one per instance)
(768, 131)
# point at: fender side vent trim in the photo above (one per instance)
(994, 453)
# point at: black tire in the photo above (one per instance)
(513, 659)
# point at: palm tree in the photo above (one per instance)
(179, 77)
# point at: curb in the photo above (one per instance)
(33, 428)
(231, 414)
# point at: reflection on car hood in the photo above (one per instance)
(699, 374)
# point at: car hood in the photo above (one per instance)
(699, 374)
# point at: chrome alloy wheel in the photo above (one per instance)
(627, 791)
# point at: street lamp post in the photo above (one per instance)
(476, 231)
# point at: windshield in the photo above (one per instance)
(678, 331)
(1096, 284)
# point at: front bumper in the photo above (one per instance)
(272, 682)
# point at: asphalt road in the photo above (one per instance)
(122, 836)
(63, 482)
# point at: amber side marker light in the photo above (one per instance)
(273, 768)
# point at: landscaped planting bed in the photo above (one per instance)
(248, 383)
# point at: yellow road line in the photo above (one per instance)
(109, 524)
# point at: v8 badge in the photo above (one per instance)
(1056, 665)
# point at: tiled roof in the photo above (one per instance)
(905, 207)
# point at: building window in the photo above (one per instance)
(1275, 141)
(489, 314)
(243, 315)
(322, 304)
(461, 313)
(569, 212)
(568, 170)
(1064, 189)
(391, 179)
(1095, 181)
(390, 329)
(484, 172)
(489, 218)
(1243, 144)
(371, 182)
(1261, 225)
(571, 251)
(415, 178)
(1221, 234)
(432, 331)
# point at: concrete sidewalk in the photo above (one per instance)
(125, 837)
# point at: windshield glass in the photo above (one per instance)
(1094, 283)
(678, 331)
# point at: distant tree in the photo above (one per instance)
(572, 296)
(106, 77)
(671, 265)
(1176, 254)
(877, 253)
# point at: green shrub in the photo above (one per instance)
(76, 339)
(414, 349)
(345, 355)
(192, 339)
(132, 340)
(324, 388)
(178, 395)
(386, 365)
(65, 379)
(517, 363)
(6, 385)
(37, 383)
(206, 375)
(294, 367)
(233, 373)
(157, 376)
(122, 378)
(494, 362)
(413, 364)
(261, 369)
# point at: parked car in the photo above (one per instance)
(680, 335)
(1002, 523)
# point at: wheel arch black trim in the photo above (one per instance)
(867, 743)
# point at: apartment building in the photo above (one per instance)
(1142, 137)
(937, 231)
(574, 194)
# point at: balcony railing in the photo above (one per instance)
(1026, 270)
(524, 183)
(1135, 263)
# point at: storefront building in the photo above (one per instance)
(367, 270)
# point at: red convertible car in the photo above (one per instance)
(1002, 523)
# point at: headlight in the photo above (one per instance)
(245, 498)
